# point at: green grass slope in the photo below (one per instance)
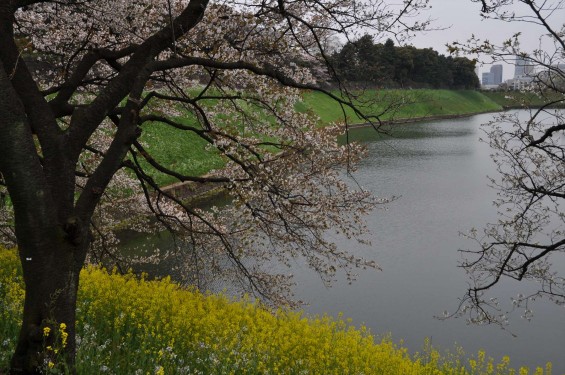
(517, 99)
(179, 150)
(401, 104)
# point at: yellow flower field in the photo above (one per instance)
(128, 325)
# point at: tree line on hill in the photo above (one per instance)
(385, 65)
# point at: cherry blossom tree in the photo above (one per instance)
(527, 241)
(81, 80)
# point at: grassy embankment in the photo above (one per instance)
(516, 99)
(406, 104)
(187, 153)
(132, 326)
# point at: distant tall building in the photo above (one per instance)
(488, 79)
(494, 77)
(496, 71)
(522, 68)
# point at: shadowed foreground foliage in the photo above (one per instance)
(128, 325)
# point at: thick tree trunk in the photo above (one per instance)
(52, 242)
(47, 336)
(51, 251)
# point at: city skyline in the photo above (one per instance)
(444, 12)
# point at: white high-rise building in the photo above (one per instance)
(522, 68)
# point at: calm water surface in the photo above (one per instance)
(438, 170)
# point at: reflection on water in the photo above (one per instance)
(438, 170)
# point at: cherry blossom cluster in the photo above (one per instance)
(233, 79)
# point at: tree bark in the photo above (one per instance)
(51, 276)
(52, 246)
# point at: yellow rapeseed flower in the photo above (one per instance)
(64, 334)
(64, 337)
(163, 326)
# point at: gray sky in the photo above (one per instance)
(462, 17)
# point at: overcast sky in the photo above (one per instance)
(462, 17)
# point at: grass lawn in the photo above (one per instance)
(179, 150)
(515, 99)
(401, 104)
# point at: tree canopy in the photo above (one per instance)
(367, 63)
